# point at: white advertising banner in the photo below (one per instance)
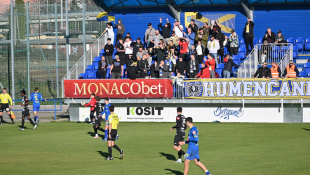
(201, 114)
(84, 114)
(306, 115)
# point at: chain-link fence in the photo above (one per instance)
(39, 35)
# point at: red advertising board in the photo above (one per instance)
(119, 88)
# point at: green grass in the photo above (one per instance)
(225, 148)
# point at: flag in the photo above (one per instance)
(13, 115)
(105, 16)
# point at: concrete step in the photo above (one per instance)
(302, 58)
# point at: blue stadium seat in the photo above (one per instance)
(91, 76)
(299, 43)
(241, 43)
(225, 51)
(82, 75)
(307, 45)
(102, 51)
(302, 74)
(219, 71)
(255, 41)
(236, 57)
(242, 52)
(295, 53)
(291, 40)
(307, 65)
(97, 59)
(90, 67)
(108, 73)
(95, 63)
(96, 68)
(260, 41)
(220, 66)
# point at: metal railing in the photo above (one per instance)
(280, 53)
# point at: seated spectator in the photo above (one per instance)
(291, 71)
(140, 53)
(228, 67)
(280, 38)
(204, 72)
(192, 67)
(109, 49)
(149, 35)
(136, 45)
(149, 58)
(213, 47)
(163, 70)
(180, 66)
(102, 68)
(210, 62)
(193, 26)
(116, 68)
(234, 43)
(200, 49)
(165, 30)
(179, 85)
(203, 37)
(157, 38)
(144, 66)
(191, 37)
(132, 72)
(121, 51)
(262, 72)
(270, 37)
(265, 51)
(170, 65)
(160, 50)
(183, 47)
(154, 73)
(128, 36)
(178, 29)
(174, 38)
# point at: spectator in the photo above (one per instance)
(116, 68)
(213, 47)
(157, 38)
(163, 70)
(210, 62)
(291, 71)
(136, 45)
(160, 50)
(234, 43)
(265, 51)
(170, 65)
(179, 85)
(192, 51)
(144, 66)
(178, 29)
(200, 49)
(228, 67)
(262, 72)
(275, 70)
(149, 58)
(128, 35)
(193, 26)
(165, 30)
(183, 47)
(171, 45)
(132, 72)
(140, 53)
(121, 51)
(215, 26)
(180, 66)
(109, 49)
(220, 38)
(153, 72)
(270, 37)
(192, 67)
(102, 68)
(120, 30)
(206, 30)
(110, 32)
(128, 49)
(204, 71)
(149, 35)
(174, 38)
(190, 36)
(248, 34)
(280, 38)
(172, 56)
(203, 37)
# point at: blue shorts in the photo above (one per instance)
(192, 154)
(36, 108)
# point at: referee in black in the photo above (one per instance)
(25, 112)
(180, 134)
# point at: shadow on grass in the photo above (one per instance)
(91, 134)
(168, 156)
(306, 129)
(174, 172)
(103, 154)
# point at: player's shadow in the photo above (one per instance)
(25, 127)
(306, 129)
(174, 172)
(103, 154)
(168, 156)
(91, 134)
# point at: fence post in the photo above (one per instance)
(28, 48)
(55, 109)
(67, 41)
(56, 42)
(255, 58)
(84, 33)
(12, 50)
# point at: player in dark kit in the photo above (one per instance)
(25, 112)
(180, 134)
(98, 118)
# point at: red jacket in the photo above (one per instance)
(92, 104)
(204, 73)
(211, 63)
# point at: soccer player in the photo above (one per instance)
(107, 113)
(113, 125)
(25, 112)
(180, 133)
(36, 97)
(98, 118)
(92, 105)
(5, 98)
(192, 152)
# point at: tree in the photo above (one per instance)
(20, 24)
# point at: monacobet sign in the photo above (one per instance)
(248, 88)
(119, 88)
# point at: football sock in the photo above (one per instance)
(31, 121)
(23, 123)
(117, 148)
(106, 133)
(110, 151)
(1, 118)
(35, 118)
(100, 129)
(180, 153)
(11, 118)
(95, 130)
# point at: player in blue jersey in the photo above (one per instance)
(193, 147)
(36, 98)
(106, 111)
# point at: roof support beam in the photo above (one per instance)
(102, 5)
(248, 11)
(175, 9)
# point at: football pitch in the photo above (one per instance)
(225, 148)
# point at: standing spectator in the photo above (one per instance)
(180, 66)
(172, 56)
(174, 38)
(110, 32)
(204, 72)
(153, 72)
(178, 29)
(170, 65)
(140, 53)
(211, 64)
(280, 38)
(192, 67)
(128, 50)
(291, 71)
(200, 49)
(262, 72)
(160, 50)
(136, 45)
(275, 70)
(234, 43)
(265, 51)
(121, 51)
(179, 85)
(248, 34)
(192, 51)
(144, 66)
(163, 70)
(183, 47)
(120, 30)
(228, 67)
(149, 58)
(190, 36)
(117, 68)
(128, 35)
(149, 35)
(203, 37)
(132, 72)
(270, 37)
(220, 38)
(206, 29)
(166, 30)
(109, 49)
(215, 26)
(102, 68)
(213, 47)
(157, 38)
(193, 26)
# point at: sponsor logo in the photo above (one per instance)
(144, 110)
(193, 89)
(226, 113)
